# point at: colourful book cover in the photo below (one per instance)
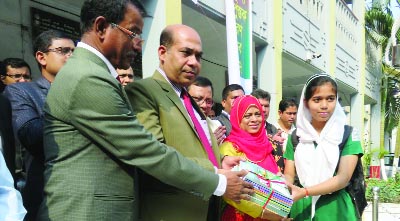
(271, 192)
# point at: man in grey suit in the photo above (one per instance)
(93, 141)
(51, 50)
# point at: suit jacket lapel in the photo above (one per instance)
(171, 94)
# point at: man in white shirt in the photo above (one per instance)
(229, 94)
(287, 117)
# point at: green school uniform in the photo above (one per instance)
(336, 206)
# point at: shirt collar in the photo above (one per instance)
(225, 113)
(177, 89)
(101, 56)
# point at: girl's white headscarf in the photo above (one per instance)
(317, 164)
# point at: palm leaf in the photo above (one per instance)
(392, 104)
(381, 39)
(378, 24)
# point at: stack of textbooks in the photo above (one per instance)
(271, 192)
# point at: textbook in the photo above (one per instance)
(270, 190)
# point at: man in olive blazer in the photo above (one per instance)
(92, 139)
(159, 108)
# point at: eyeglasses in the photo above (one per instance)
(19, 76)
(200, 101)
(61, 50)
(130, 76)
(132, 35)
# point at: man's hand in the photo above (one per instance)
(278, 137)
(228, 162)
(236, 188)
(220, 134)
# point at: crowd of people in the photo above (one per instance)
(88, 141)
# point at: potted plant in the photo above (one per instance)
(377, 163)
(366, 160)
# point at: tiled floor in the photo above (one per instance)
(386, 212)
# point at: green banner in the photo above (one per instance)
(244, 36)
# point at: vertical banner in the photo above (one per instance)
(239, 43)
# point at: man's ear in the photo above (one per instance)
(100, 26)
(223, 102)
(162, 50)
(41, 58)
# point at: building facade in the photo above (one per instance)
(292, 39)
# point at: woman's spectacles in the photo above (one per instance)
(132, 35)
(61, 50)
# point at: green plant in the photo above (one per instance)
(375, 153)
(389, 189)
(382, 152)
(372, 156)
(366, 161)
(367, 157)
(397, 177)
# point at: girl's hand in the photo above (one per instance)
(297, 192)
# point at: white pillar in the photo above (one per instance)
(162, 13)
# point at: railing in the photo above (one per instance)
(347, 26)
(260, 18)
(304, 29)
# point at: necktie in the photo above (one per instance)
(199, 129)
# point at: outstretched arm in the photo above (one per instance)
(346, 168)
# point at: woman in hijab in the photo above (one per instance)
(249, 140)
(323, 174)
